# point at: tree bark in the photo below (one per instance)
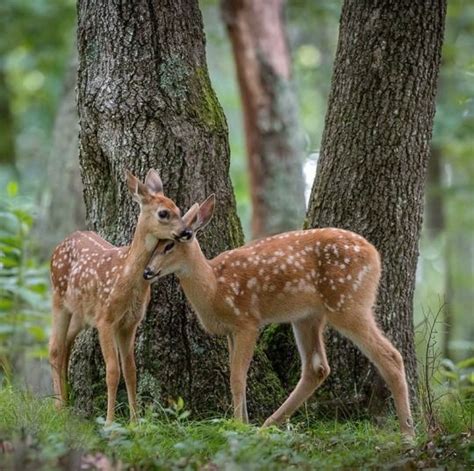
(373, 163)
(145, 100)
(273, 135)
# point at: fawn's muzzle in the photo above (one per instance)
(148, 274)
(185, 235)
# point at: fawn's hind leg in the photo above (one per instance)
(57, 349)
(365, 333)
(314, 366)
(75, 326)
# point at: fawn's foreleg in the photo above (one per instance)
(243, 346)
(126, 344)
(112, 368)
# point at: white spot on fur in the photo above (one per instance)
(252, 283)
(254, 301)
(316, 362)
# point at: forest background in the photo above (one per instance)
(41, 194)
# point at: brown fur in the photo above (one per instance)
(308, 278)
(101, 285)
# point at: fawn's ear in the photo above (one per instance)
(153, 182)
(198, 216)
(191, 215)
(138, 190)
(206, 210)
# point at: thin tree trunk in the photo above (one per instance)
(145, 100)
(449, 299)
(373, 163)
(435, 226)
(272, 131)
(7, 134)
(64, 205)
(435, 218)
(273, 138)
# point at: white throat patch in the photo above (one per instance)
(150, 241)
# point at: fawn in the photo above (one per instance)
(306, 278)
(102, 285)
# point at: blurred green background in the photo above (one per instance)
(36, 53)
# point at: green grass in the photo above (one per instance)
(35, 436)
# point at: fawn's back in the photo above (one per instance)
(85, 271)
(285, 277)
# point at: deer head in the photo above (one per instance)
(160, 214)
(170, 255)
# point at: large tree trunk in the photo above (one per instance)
(272, 132)
(373, 163)
(145, 100)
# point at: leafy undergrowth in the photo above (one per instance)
(34, 436)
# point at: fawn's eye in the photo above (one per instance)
(163, 214)
(168, 247)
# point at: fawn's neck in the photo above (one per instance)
(198, 280)
(140, 251)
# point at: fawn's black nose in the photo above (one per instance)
(148, 274)
(186, 234)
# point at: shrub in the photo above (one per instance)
(24, 301)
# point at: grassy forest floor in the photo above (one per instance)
(34, 436)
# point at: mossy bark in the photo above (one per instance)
(373, 163)
(145, 100)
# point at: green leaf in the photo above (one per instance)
(12, 189)
(467, 363)
(449, 375)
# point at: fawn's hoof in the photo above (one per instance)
(270, 421)
(408, 439)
